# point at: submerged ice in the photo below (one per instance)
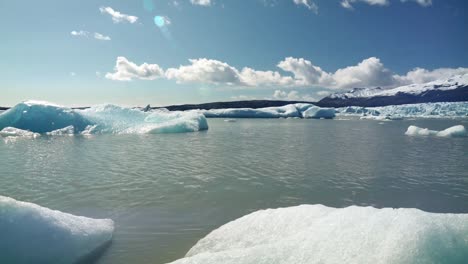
(46, 118)
(30, 233)
(320, 234)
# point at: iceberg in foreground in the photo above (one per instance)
(320, 234)
(455, 131)
(30, 233)
(46, 118)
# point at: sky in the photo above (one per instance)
(162, 52)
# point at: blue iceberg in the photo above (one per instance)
(51, 119)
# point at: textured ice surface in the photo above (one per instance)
(318, 112)
(267, 112)
(48, 118)
(15, 132)
(455, 131)
(318, 234)
(458, 109)
(30, 233)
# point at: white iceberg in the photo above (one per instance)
(40, 117)
(267, 112)
(309, 234)
(455, 131)
(318, 112)
(15, 132)
(30, 233)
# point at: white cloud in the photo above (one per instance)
(101, 37)
(347, 3)
(118, 17)
(420, 75)
(297, 72)
(80, 33)
(72, 74)
(86, 34)
(205, 71)
(308, 3)
(420, 2)
(292, 96)
(304, 71)
(126, 71)
(201, 2)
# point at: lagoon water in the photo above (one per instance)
(167, 191)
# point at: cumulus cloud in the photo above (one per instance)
(201, 2)
(205, 71)
(292, 96)
(126, 71)
(308, 3)
(420, 75)
(295, 72)
(118, 17)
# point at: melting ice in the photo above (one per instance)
(34, 234)
(318, 234)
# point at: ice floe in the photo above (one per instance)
(310, 234)
(455, 131)
(30, 233)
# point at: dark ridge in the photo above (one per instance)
(232, 104)
(431, 96)
(4, 108)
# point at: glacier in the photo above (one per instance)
(455, 131)
(310, 234)
(34, 234)
(423, 110)
(51, 119)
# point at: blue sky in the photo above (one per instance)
(92, 51)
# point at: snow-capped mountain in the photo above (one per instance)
(454, 89)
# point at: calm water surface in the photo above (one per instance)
(167, 191)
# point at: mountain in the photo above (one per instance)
(454, 89)
(232, 104)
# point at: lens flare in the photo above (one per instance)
(159, 21)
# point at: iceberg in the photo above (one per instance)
(51, 119)
(455, 131)
(267, 112)
(34, 234)
(318, 112)
(299, 110)
(310, 234)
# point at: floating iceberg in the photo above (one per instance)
(428, 110)
(34, 234)
(455, 131)
(318, 112)
(40, 117)
(267, 112)
(318, 234)
(287, 111)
